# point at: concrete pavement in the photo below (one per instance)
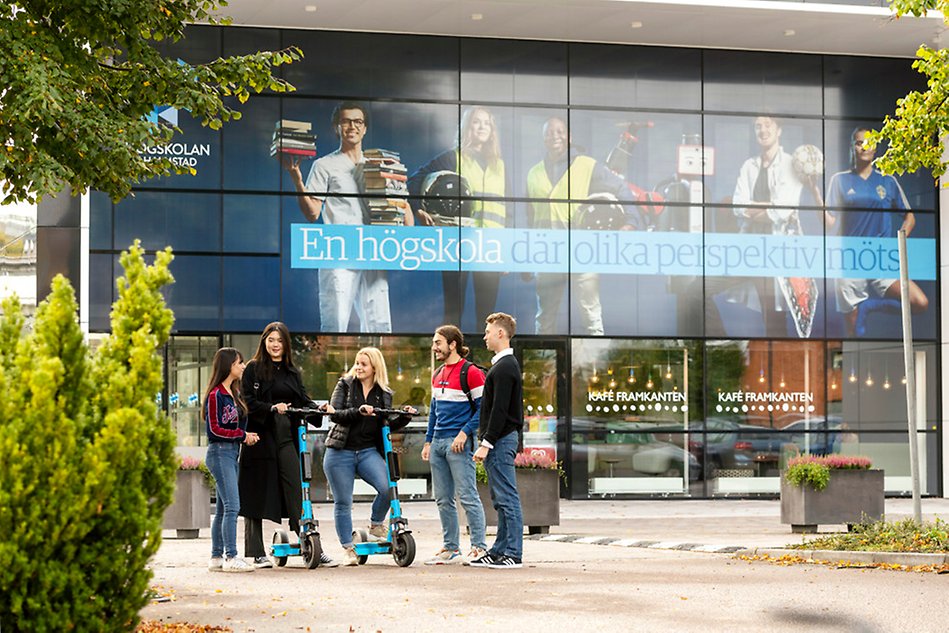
(586, 575)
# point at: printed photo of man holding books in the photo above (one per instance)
(331, 194)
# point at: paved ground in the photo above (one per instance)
(617, 565)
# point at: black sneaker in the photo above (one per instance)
(262, 562)
(504, 562)
(483, 561)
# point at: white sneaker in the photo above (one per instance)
(378, 532)
(236, 565)
(445, 557)
(215, 563)
(474, 554)
(349, 558)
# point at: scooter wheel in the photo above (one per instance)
(312, 550)
(361, 536)
(403, 549)
(280, 537)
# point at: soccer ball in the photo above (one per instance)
(808, 162)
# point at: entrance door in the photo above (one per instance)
(544, 368)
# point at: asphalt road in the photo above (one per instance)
(564, 587)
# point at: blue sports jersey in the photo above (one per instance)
(847, 189)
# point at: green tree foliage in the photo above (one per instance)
(78, 78)
(88, 457)
(916, 130)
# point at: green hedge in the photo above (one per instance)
(88, 458)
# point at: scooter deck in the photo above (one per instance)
(282, 550)
(368, 549)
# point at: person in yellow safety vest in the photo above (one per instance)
(549, 180)
(477, 158)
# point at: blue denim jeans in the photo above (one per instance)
(222, 462)
(451, 473)
(341, 467)
(502, 483)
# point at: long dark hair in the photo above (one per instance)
(220, 370)
(265, 366)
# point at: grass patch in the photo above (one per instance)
(886, 536)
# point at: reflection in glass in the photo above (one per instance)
(634, 404)
(608, 75)
(740, 81)
(509, 71)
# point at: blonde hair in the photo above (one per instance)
(491, 149)
(380, 375)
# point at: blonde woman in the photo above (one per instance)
(354, 444)
(477, 158)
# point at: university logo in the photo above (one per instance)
(163, 113)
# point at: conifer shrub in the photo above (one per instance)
(87, 457)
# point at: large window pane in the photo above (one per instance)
(509, 71)
(740, 81)
(195, 297)
(766, 403)
(246, 142)
(251, 294)
(608, 75)
(366, 65)
(863, 274)
(917, 187)
(867, 87)
(184, 221)
(251, 224)
(632, 403)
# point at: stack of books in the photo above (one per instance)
(294, 138)
(384, 177)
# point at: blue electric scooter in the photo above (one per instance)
(309, 546)
(399, 540)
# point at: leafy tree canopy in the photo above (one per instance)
(78, 78)
(916, 130)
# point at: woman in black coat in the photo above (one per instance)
(269, 481)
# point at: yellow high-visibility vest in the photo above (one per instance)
(487, 213)
(575, 186)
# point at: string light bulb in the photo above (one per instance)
(632, 377)
(761, 375)
(853, 375)
(869, 380)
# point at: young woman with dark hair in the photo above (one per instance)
(225, 417)
(270, 471)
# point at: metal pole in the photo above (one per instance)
(910, 364)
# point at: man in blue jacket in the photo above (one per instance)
(449, 444)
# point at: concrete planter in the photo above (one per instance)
(539, 490)
(850, 497)
(191, 509)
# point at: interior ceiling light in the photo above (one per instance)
(310, 8)
(789, 32)
(477, 16)
(635, 24)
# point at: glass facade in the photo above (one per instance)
(702, 275)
